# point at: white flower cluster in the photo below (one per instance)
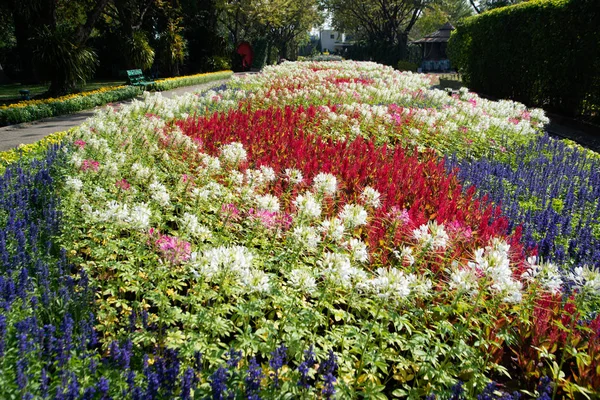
(394, 284)
(267, 202)
(138, 217)
(353, 215)
(492, 262)
(371, 197)
(337, 268)
(546, 274)
(432, 234)
(233, 153)
(74, 184)
(159, 193)
(586, 279)
(189, 224)
(325, 184)
(308, 206)
(294, 176)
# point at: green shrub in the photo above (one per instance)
(172, 83)
(37, 109)
(406, 66)
(544, 53)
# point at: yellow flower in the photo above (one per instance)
(62, 98)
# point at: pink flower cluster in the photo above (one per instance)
(90, 164)
(171, 248)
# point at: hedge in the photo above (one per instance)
(179, 81)
(33, 110)
(544, 53)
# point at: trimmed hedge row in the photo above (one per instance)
(172, 83)
(37, 109)
(545, 53)
(33, 110)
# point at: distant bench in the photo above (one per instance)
(136, 78)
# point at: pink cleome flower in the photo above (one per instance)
(79, 143)
(171, 248)
(90, 164)
(123, 184)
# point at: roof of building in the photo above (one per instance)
(440, 36)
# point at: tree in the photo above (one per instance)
(437, 13)
(51, 38)
(124, 22)
(483, 5)
(289, 20)
(280, 22)
(383, 25)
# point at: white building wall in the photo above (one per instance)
(329, 38)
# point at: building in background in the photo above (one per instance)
(334, 42)
(433, 49)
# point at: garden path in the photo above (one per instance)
(30, 132)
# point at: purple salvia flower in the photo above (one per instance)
(89, 393)
(2, 334)
(252, 380)
(187, 383)
(234, 358)
(278, 360)
(218, 384)
(102, 388)
(328, 385)
(22, 373)
(305, 366)
(153, 386)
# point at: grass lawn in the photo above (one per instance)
(10, 92)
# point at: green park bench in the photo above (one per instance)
(136, 78)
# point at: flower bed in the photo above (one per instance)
(233, 244)
(32, 110)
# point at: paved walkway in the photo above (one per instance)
(30, 132)
(13, 135)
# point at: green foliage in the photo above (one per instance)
(406, 66)
(172, 83)
(39, 109)
(543, 53)
(60, 60)
(139, 52)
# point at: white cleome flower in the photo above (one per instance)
(464, 280)
(546, 274)
(404, 254)
(294, 176)
(74, 184)
(389, 284)
(306, 236)
(235, 260)
(337, 268)
(189, 223)
(307, 206)
(432, 234)
(586, 279)
(353, 215)
(256, 281)
(358, 250)
(139, 217)
(371, 197)
(333, 228)
(140, 173)
(302, 279)
(233, 153)
(159, 193)
(325, 184)
(267, 202)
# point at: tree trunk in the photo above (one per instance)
(3, 77)
(27, 72)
